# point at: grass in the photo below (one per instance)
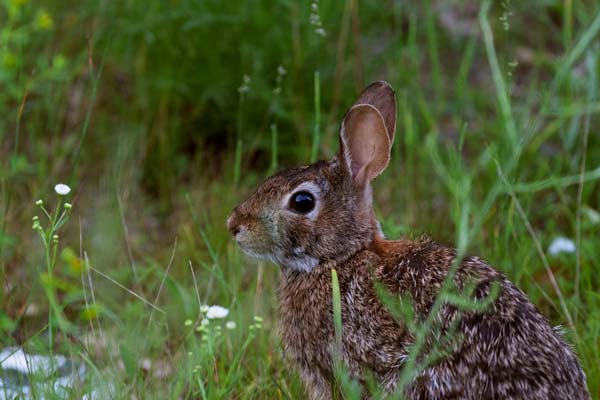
(143, 108)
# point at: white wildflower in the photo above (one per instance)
(561, 245)
(230, 325)
(245, 86)
(281, 71)
(216, 312)
(62, 189)
(204, 308)
(320, 31)
(592, 215)
(146, 364)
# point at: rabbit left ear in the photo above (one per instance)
(365, 143)
(381, 96)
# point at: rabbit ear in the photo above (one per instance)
(364, 143)
(381, 96)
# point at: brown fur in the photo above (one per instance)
(508, 351)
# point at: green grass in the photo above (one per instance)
(143, 109)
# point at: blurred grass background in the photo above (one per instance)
(163, 115)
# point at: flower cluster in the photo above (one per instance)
(281, 71)
(55, 220)
(208, 313)
(506, 14)
(315, 19)
(211, 331)
(245, 86)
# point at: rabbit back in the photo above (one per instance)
(507, 351)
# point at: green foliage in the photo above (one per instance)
(163, 115)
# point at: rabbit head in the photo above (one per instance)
(306, 215)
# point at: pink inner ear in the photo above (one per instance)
(366, 142)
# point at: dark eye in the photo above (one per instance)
(302, 202)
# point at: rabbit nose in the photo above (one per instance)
(232, 226)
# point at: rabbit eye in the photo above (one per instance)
(302, 202)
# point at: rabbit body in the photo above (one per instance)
(311, 219)
(507, 352)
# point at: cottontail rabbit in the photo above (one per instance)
(312, 219)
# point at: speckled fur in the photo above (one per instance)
(509, 351)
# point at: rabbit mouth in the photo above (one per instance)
(253, 252)
(296, 262)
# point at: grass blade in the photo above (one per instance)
(317, 127)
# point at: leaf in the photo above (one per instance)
(7, 325)
(129, 360)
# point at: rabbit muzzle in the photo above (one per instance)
(249, 235)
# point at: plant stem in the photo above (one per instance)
(316, 129)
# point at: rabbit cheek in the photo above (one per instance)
(294, 246)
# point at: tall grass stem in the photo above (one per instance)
(274, 149)
(317, 127)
